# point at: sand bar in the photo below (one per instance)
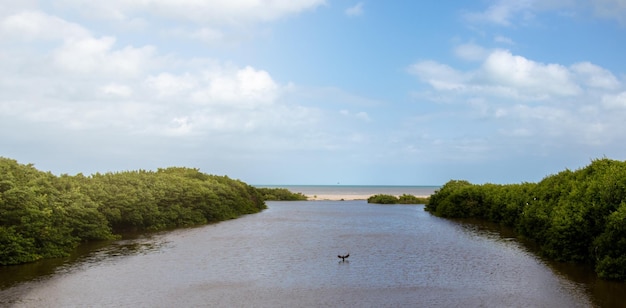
(337, 197)
(357, 192)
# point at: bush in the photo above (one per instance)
(280, 194)
(410, 199)
(382, 199)
(44, 216)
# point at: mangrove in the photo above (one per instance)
(46, 216)
(280, 194)
(403, 199)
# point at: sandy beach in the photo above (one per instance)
(357, 192)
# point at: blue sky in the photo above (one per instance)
(315, 91)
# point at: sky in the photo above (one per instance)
(324, 92)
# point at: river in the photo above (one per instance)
(286, 256)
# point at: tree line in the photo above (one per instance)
(573, 216)
(46, 216)
(280, 194)
(403, 199)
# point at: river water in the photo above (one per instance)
(286, 256)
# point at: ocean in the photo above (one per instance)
(356, 190)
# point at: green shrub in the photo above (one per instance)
(411, 199)
(382, 199)
(280, 194)
(44, 216)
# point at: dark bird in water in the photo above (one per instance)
(343, 258)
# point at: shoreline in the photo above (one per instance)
(355, 192)
(346, 197)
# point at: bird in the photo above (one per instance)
(343, 258)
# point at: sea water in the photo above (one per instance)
(357, 190)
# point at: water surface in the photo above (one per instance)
(286, 256)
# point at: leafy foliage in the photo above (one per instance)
(411, 199)
(43, 216)
(389, 199)
(280, 194)
(382, 199)
(574, 216)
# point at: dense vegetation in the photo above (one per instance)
(43, 215)
(573, 216)
(280, 194)
(389, 199)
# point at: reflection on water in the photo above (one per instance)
(86, 255)
(286, 256)
(603, 293)
(142, 245)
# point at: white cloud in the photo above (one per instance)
(246, 87)
(207, 34)
(194, 103)
(256, 84)
(501, 12)
(503, 74)
(35, 25)
(528, 76)
(200, 12)
(361, 115)
(80, 82)
(612, 9)
(116, 90)
(93, 55)
(503, 40)
(166, 85)
(515, 12)
(615, 101)
(356, 10)
(595, 76)
(13, 7)
(136, 99)
(471, 52)
(439, 76)
(211, 22)
(179, 126)
(529, 98)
